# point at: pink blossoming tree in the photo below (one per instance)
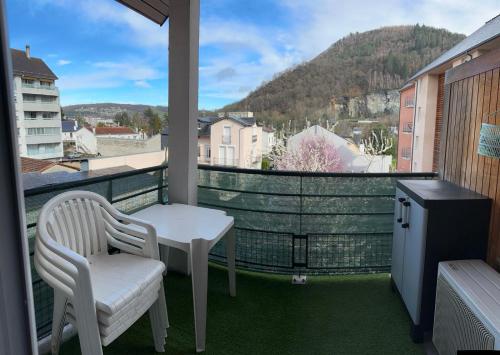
(312, 154)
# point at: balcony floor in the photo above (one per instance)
(329, 315)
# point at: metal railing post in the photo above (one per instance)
(160, 186)
(109, 193)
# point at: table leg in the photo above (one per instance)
(164, 252)
(199, 278)
(231, 260)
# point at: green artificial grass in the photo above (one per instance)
(329, 315)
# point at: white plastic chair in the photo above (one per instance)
(102, 295)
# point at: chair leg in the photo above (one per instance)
(58, 321)
(88, 328)
(159, 321)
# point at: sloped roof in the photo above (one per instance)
(29, 165)
(113, 130)
(33, 67)
(155, 10)
(489, 31)
(244, 121)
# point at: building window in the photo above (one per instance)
(43, 131)
(39, 149)
(254, 138)
(226, 156)
(49, 115)
(226, 135)
(29, 98)
(30, 115)
(28, 83)
(406, 153)
(45, 84)
(407, 127)
(48, 99)
(207, 151)
(409, 101)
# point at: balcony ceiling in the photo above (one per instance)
(155, 10)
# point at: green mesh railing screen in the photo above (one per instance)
(288, 223)
(310, 223)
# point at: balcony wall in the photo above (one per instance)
(285, 222)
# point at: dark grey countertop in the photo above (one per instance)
(427, 193)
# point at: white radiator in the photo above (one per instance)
(467, 314)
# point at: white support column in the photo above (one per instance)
(184, 24)
(184, 18)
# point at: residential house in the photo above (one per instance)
(268, 139)
(230, 141)
(429, 84)
(78, 139)
(38, 113)
(353, 157)
(236, 142)
(406, 113)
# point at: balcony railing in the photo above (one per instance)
(286, 222)
(38, 86)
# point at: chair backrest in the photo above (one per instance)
(75, 219)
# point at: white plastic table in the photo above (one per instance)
(195, 230)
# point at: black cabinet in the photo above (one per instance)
(434, 221)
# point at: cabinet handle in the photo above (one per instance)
(400, 209)
(406, 223)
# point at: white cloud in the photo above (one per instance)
(142, 84)
(109, 75)
(320, 23)
(132, 27)
(62, 62)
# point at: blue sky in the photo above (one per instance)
(104, 52)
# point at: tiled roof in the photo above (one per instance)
(268, 129)
(29, 165)
(489, 31)
(99, 131)
(32, 67)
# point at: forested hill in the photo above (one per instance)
(359, 64)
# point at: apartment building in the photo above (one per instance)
(38, 112)
(406, 112)
(429, 86)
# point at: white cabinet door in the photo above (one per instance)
(414, 258)
(398, 243)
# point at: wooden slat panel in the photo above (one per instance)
(486, 117)
(469, 157)
(486, 108)
(451, 129)
(477, 120)
(494, 191)
(472, 95)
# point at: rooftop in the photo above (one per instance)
(29, 165)
(113, 130)
(25, 65)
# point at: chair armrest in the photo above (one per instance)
(121, 228)
(62, 267)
